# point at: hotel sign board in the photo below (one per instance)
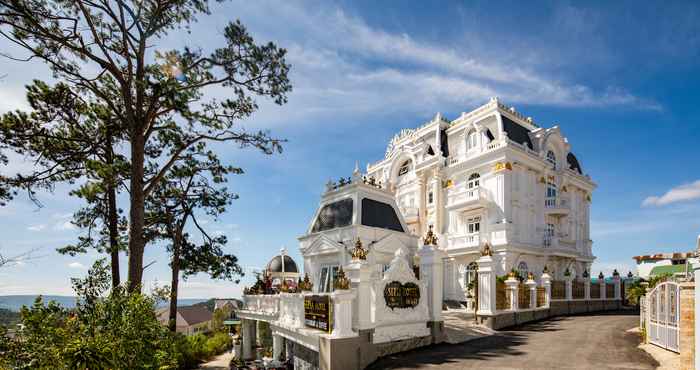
(318, 310)
(397, 295)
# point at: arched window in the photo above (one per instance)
(405, 167)
(473, 181)
(552, 158)
(472, 140)
(522, 270)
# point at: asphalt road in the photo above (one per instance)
(574, 342)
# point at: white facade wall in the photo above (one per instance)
(509, 204)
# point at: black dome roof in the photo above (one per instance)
(573, 163)
(275, 264)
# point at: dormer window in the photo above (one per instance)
(405, 167)
(552, 158)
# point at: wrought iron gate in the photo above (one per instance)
(663, 309)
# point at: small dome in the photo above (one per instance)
(275, 264)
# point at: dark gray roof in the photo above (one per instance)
(333, 215)
(378, 214)
(516, 132)
(194, 314)
(275, 264)
(573, 163)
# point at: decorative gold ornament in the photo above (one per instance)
(550, 178)
(564, 189)
(284, 287)
(305, 285)
(430, 238)
(601, 276)
(341, 281)
(359, 253)
(500, 166)
(530, 276)
(448, 183)
(542, 180)
(588, 197)
(512, 274)
(545, 270)
(486, 251)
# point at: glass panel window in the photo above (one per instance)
(405, 167)
(430, 198)
(552, 158)
(473, 181)
(328, 275)
(473, 225)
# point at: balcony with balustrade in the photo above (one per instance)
(465, 199)
(468, 241)
(558, 207)
(410, 214)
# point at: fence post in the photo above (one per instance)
(601, 284)
(512, 284)
(431, 262)
(487, 285)
(342, 313)
(532, 285)
(568, 280)
(547, 284)
(616, 281)
(360, 274)
(586, 288)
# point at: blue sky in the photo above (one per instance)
(620, 79)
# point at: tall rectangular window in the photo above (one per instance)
(328, 275)
(473, 225)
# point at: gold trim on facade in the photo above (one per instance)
(359, 253)
(430, 237)
(341, 281)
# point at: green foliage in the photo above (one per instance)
(107, 330)
(192, 350)
(8, 318)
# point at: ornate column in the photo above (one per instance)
(618, 287)
(248, 335)
(431, 262)
(277, 346)
(512, 285)
(360, 275)
(342, 306)
(487, 282)
(601, 284)
(532, 287)
(547, 284)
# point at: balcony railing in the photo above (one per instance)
(467, 198)
(557, 206)
(464, 241)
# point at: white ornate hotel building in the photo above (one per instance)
(492, 176)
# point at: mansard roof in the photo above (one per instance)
(573, 163)
(516, 132)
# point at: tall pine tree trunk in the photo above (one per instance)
(112, 217)
(174, 281)
(136, 213)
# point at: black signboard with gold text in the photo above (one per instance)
(318, 312)
(397, 295)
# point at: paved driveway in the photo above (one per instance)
(574, 342)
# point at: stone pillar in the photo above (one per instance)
(487, 286)
(547, 284)
(248, 334)
(532, 286)
(686, 325)
(618, 287)
(342, 313)
(568, 284)
(512, 286)
(602, 287)
(277, 346)
(431, 263)
(360, 274)
(586, 288)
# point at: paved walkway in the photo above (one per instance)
(219, 362)
(460, 327)
(575, 342)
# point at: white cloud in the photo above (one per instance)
(678, 194)
(64, 226)
(77, 266)
(39, 227)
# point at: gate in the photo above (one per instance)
(663, 307)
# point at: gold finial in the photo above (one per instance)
(358, 253)
(546, 270)
(341, 281)
(430, 238)
(305, 285)
(512, 274)
(284, 288)
(486, 251)
(530, 276)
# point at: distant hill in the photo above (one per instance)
(15, 302)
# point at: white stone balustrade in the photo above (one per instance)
(342, 313)
(532, 288)
(569, 285)
(547, 284)
(431, 263)
(587, 288)
(487, 286)
(601, 284)
(262, 303)
(618, 287)
(291, 310)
